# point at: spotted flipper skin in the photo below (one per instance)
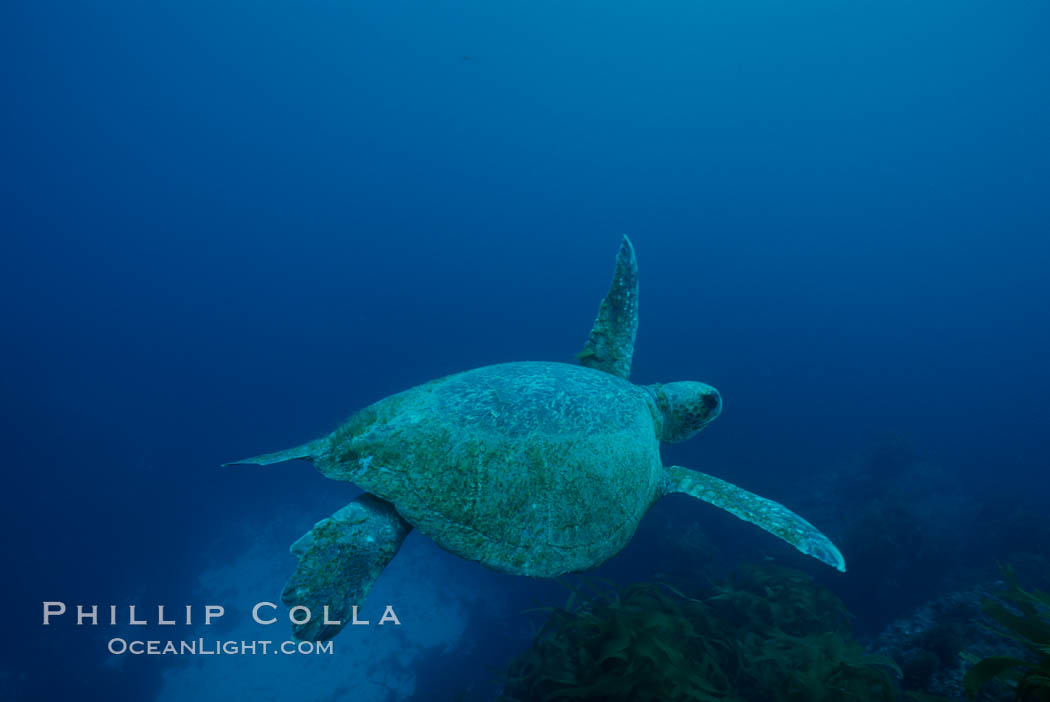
(772, 516)
(339, 560)
(610, 346)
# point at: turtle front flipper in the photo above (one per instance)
(339, 560)
(772, 516)
(610, 346)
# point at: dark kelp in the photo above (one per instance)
(1023, 617)
(771, 634)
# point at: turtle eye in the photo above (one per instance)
(712, 400)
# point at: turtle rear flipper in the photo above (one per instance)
(610, 346)
(339, 561)
(307, 451)
(772, 516)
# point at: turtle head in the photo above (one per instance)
(685, 408)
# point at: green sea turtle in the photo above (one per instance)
(532, 468)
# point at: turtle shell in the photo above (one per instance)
(530, 468)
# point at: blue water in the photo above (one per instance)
(226, 226)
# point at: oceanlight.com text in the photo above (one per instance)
(217, 647)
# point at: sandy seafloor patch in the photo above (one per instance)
(431, 591)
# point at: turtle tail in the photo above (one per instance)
(308, 451)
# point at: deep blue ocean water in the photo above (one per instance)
(226, 226)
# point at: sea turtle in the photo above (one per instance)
(532, 468)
